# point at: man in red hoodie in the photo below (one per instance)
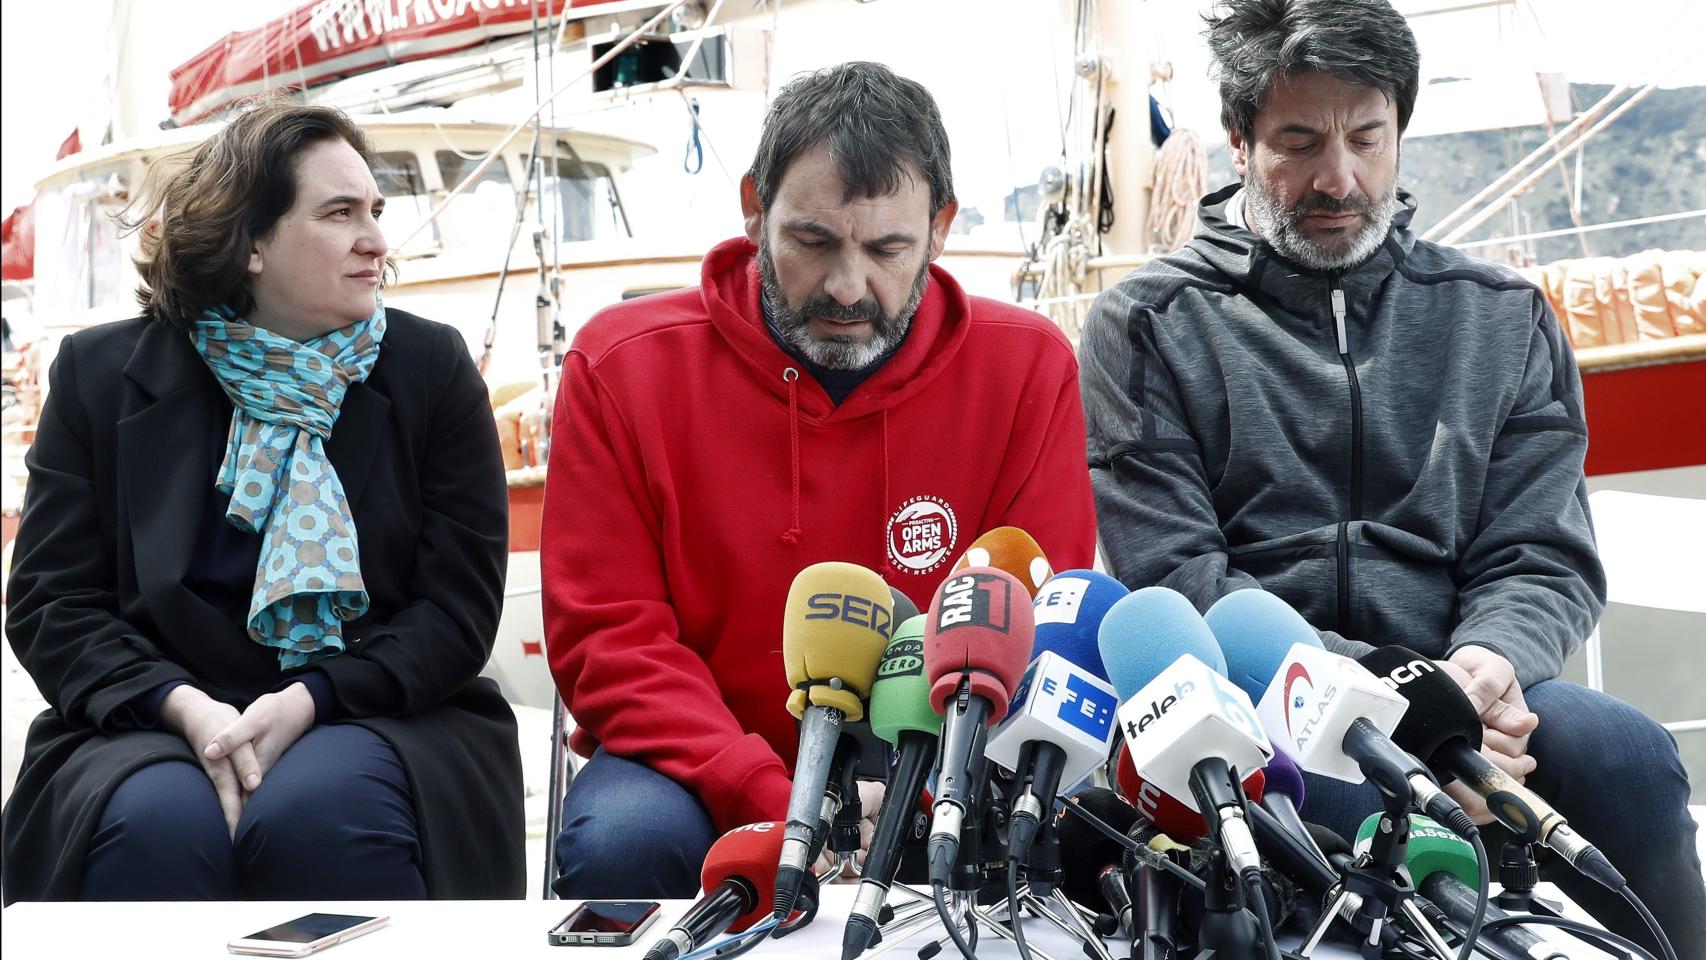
(825, 394)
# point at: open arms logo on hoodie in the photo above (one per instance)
(922, 534)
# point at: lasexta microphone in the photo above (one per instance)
(1444, 730)
(1445, 897)
(1012, 551)
(836, 623)
(977, 639)
(901, 714)
(1444, 869)
(738, 879)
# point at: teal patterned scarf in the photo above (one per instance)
(287, 395)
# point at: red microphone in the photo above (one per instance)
(1171, 817)
(739, 880)
(977, 642)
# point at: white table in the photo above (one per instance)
(422, 930)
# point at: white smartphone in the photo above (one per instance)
(305, 935)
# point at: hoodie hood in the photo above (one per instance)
(730, 287)
(1243, 256)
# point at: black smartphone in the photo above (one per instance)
(605, 923)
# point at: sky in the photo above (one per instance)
(53, 74)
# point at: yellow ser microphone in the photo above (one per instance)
(838, 619)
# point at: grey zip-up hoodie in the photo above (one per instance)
(1395, 450)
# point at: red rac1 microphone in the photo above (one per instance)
(977, 638)
(738, 880)
(1443, 730)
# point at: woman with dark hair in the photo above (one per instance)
(261, 561)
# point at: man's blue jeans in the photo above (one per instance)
(1616, 776)
(630, 833)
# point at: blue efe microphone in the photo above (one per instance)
(1069, 610)
(1062, 719)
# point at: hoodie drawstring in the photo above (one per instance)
(790, 376)
(883, 555)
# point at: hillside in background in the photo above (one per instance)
(1651, 161)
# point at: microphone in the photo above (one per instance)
(1445, 731)
(976, 639)
(1069, 610)
(901, 606)
(1186, 725)
(900, 714)
(739, 873)
(835, 625)
(1170, 815)
(1059, 728)
(1284, 798)
(1143, 898)
(1444, 869)
(861, 755)
(1012, 551)
(1329, 714)
(1093, 854)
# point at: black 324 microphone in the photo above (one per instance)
(1442, 728)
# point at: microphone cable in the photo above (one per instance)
(1651, 921)
(1483, 869)
(967, 949)
(1015, 914)
(1259, 906)
(1603, 940)
(732, 946)
(1143, 852)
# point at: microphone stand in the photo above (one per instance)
(1518, 876)
(1385, 894)
(1228, 929)
(1041, 893)
(1155, 903)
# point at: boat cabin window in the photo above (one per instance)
(407, 200)
(483, 214)
(589, 208)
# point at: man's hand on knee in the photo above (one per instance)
(1489, 681)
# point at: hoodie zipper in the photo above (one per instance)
(1337, 294)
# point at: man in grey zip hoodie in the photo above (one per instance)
(1386, 433)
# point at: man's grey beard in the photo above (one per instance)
(1282, 226)
(837, 352)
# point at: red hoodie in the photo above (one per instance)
(694, 472)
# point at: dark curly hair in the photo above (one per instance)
(874, 121)
(1365, 42)
(200, 212)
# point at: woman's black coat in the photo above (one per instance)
(119, 475)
